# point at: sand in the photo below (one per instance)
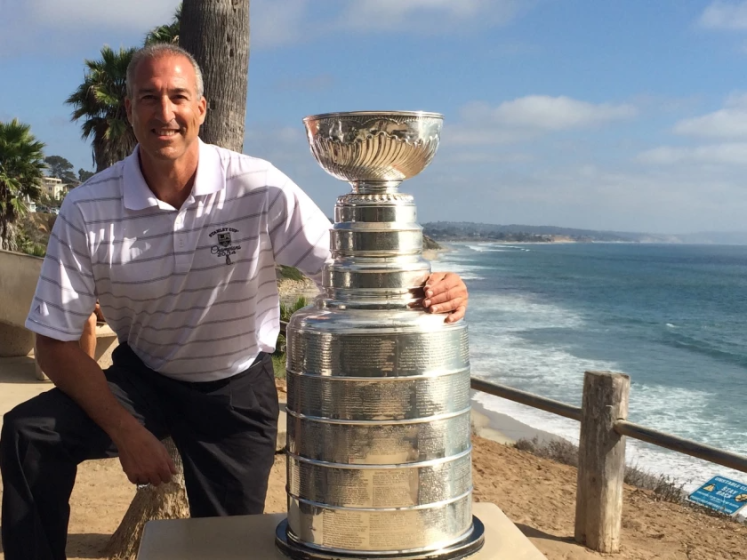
(536, 494)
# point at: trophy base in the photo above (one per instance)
(466, 547)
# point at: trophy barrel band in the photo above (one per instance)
(364, 398)
(376, 243)
(379, 444)
(369, 355)
(344, 486)
(467, 546)
(375, 214)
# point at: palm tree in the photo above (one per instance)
(99, 105)
(21, 171)
(168, 33)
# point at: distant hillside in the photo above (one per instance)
(493, 232)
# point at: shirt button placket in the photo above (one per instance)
(181, 260)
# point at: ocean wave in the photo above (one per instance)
(677, 338)
(466, 271)
(513, 311)
(495, 248)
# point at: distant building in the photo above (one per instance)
(54, 188)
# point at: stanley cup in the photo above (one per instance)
(379, 451)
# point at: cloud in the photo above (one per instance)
(724, 15)
(418, 15)
(32, 26)
(720, 154)
(58, 28)
(280, 23)
(481, 157)
(553, 113)
(136, 15)
(729, 122)
(528, 117)
(611, 196)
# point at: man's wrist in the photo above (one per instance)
(121, 426)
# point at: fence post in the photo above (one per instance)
(601, 461)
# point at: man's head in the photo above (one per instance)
(164, 101)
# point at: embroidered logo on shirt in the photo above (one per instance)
(224, 248)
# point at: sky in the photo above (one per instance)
(623, 115)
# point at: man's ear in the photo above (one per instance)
(128, 108)
(202, 107)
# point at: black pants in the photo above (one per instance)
(225, 432)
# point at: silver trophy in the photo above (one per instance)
(379, 451)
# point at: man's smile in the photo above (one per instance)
(165, 132)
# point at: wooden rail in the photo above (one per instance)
(529, 399)
(604, 426)
(682, 445)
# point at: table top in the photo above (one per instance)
(248, 537)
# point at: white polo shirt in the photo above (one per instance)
(192, 291)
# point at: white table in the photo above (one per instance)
(252, 537)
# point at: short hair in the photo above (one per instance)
(157, 50)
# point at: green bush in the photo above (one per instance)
(291, 273)
(278, 357)
(278, 363)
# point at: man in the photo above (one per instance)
(179, 243)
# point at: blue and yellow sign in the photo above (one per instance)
(722, 494)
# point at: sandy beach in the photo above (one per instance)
(538, 495)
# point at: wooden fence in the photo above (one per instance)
(601, 463)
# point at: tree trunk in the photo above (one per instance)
(8, 235)
(167, 501)
(216, 32)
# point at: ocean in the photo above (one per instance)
(673, 317)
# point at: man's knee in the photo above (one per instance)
(23, 420)
(35, 424)
(16, 428)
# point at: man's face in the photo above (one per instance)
(165, 110)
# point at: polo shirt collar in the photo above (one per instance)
(210, 178)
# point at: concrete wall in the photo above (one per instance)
(19, 274)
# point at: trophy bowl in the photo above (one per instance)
(374, 150)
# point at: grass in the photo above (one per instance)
(290, 273)
(278, 363)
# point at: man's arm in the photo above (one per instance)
(298, 229)
(144, 459)
(65, 295)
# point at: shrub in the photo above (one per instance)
(278, 357)
(291, 273)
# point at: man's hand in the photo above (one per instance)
(445, 292)
(144, 459)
